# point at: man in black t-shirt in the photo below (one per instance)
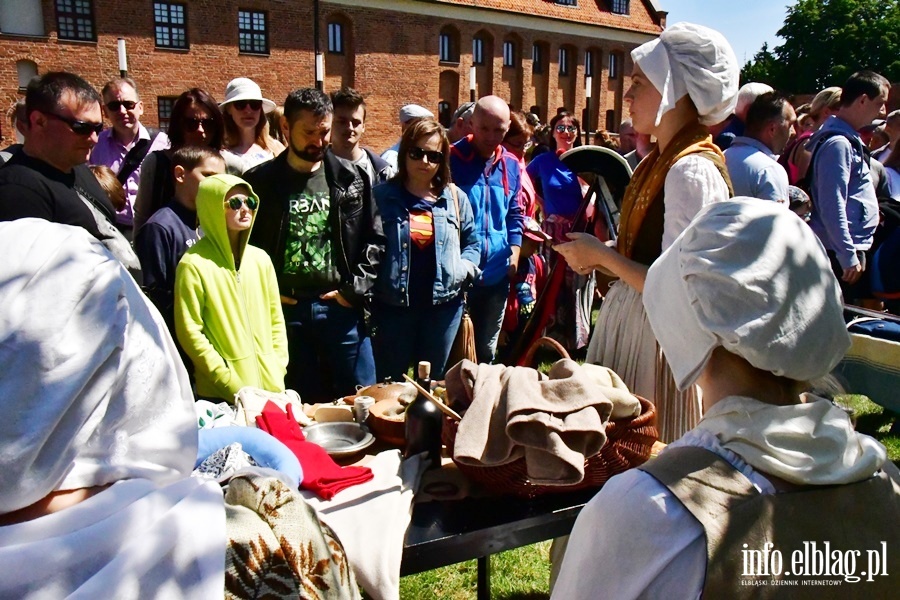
(319, 224)
(48, 178)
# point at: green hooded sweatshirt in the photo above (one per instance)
(228, 319)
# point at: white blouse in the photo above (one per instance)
(692, 183)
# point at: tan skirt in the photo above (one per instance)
(624, 342)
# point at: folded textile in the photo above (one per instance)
(555, 424)
(320, 473)
(222, 464)
(214, 414)
(625, 404)
(371, 520)
(265, 450)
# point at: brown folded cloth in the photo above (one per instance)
(515, 412)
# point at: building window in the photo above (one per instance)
(448, 45)
(477, 51)
(335, 38)
(589, 63)
(164, 111)
(509, 54)
(613, 66)
(537, 59)
(563, 62)
(568, 2)
(253, 35)
(610, 120)
(22, 17)
(620, 7)
(170, 24)
(444, 113)
(75, 20)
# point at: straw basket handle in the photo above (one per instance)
(543, 342)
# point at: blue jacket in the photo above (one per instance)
(454, 266)
(493, 189)
(845, 208)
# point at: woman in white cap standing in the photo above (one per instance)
(682, 82)
(247, 139)
(745, 304)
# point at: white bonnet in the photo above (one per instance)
(693, 60)
(91, 384)
(753, 278)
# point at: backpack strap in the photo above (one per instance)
(134, 158)
(456, 205)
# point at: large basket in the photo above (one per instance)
(628, 444)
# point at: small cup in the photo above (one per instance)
(361, 407)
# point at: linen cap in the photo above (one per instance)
(692, 60)
(753, 278)
(414, 111)
(242, 88)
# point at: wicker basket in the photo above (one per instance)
(628, 444)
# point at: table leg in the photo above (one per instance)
(484, 577)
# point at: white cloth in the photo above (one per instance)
(95, 393)
(134, 540)
(371, 519)
(692, 183)
(753, 278)
(238, 164)
(634, 539)
(691, 60)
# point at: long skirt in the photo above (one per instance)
(624, 342)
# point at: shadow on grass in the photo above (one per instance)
(522, 596)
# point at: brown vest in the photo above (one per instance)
(797, 525)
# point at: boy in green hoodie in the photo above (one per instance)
(227, 306)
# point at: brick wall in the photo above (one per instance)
(391, 57)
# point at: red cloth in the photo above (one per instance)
(320, 473)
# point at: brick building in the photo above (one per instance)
(535, 53)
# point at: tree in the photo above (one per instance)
(825, 41)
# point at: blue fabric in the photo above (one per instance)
(493, 186)
(755, 172)
(845, 211)
(454, 266)
(407, 335)
(266, 450)
(560, 189)
(330, 350)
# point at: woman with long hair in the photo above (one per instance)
(432, 251)
(247, 139)
(195, 121)
(682, 82)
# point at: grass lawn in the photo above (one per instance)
(524, 573)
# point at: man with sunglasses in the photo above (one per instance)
(319, 224)
(123, 147)
(48, 179)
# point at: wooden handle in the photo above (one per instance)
(443, 407)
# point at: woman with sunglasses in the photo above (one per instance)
(195, 121)
(682, 82)
(228, 313)
(432, 250)
(247, 139)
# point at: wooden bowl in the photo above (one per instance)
(387, 420)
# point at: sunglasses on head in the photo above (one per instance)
(115, 105)
(193, 123)
(566, 128)
(235, 202)
(242, 104)
(433, 156)
(78, 127)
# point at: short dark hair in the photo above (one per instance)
(118, 82)
(189, 157)
(201, 98)
(423, 128)
(309, 99)
(869, 83)
(347, 97)
(766, 108)
(45, 93)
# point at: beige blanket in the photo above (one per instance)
(554, 423)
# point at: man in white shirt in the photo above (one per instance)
(752, 158)
(407, 113)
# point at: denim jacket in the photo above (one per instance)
(455, 267)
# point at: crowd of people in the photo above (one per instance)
(282, 253)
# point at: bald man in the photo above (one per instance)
(489, 175)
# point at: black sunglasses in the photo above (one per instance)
(242, 104)
(433, 156)
(115, 105)
(78, 127)
(235, 202)
(193, 123)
